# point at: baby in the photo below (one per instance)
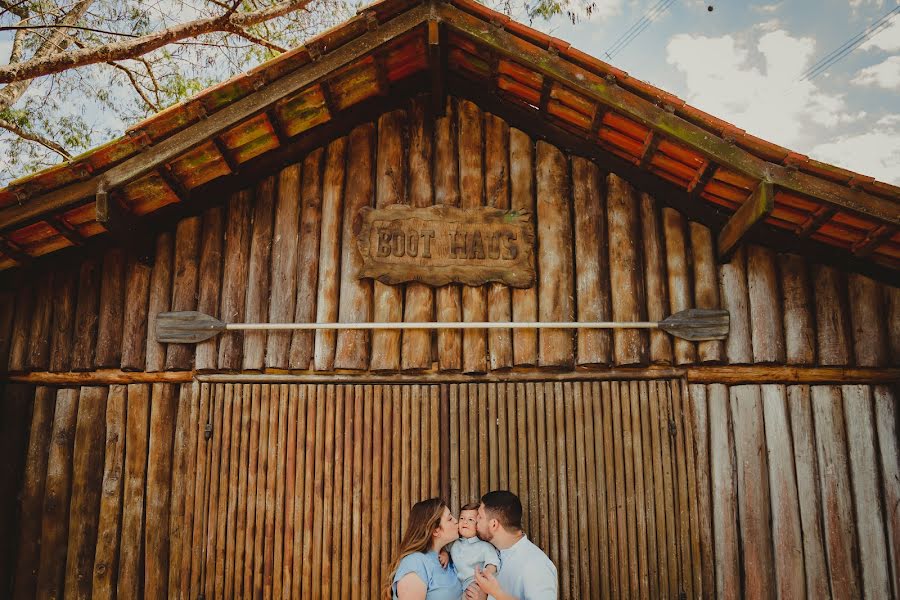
(469, 551)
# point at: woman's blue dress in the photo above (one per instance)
(440, 583)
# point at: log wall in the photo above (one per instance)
(284, 250)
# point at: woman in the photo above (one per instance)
(416, 573)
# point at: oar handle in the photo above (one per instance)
(450, 325)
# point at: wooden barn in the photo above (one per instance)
(283, 463)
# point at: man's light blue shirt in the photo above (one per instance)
(526, 573)
(468, 553)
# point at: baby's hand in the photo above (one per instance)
(444, 558)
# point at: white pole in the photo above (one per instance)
(449, 325)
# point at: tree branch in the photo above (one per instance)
(15, 9)
(56, 26)
(139, 46)
(134, 84)
(33, 137)
(259, 41)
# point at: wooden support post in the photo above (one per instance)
(751, 212)
(436, 60)
(124, 226)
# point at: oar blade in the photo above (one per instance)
(186, 327)
(697, 324)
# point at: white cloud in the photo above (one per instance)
(887, 39)
(885, 74)
(766, 8)
(875, 152)
(757, 92)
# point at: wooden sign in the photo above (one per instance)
(441, 244)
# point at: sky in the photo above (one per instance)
(744, 62)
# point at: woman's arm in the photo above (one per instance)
(411, 587)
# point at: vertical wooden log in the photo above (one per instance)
(496, 186)
(160, 300)
(364, 396)
(300, 490)
(55, 513)
(184, 286)
(315, 450)
(275, 492)
(837, 504)
(552, 541)
(807, 473)
(182, 477)
(387, 450)
(670, 483)
(334, 488)
(210, 281)
(593, 490)
(220, 409)
(455, 470)
(21, 326)
(892, 300)
(736, 300)
(625, 278)
(7, 312)
(287, 503)
(680, 286)
(752, 485)
(640, 516)
(786, 524)
(286, 234)
(192, 581)
(264, 469)
(680, 451)
(65, 289)
(106, 557)
(659, 498)
(356, 532)
(604, 402)
(347, 484)
(330, 253)
(886, 422)
(234, 276)
(136, 440)
(356, 295)
(655, 279)
(699, 413)
(258, 272)
(377, 498)
(134, 323)
(448, 301)
(526, 404)
(84, 336)
(38, 357)
(159, 471)
(524, 301)
(324, 480)
(554, 233)
(867, 323)
(111, 310)
(591, 268)
(31, 499)
(862, 446)
(84, 505)
(311, 194)
(471, 193)
(766, 330)
(832, 321)
(799, 328)
(724, 505)
(415, 350)
(15, 418)
(390, 188)
(706, 287)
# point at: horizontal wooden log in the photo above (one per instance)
(698, 374)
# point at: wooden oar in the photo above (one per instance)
(190, 327)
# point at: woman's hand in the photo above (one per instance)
(444, 558)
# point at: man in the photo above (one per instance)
(525, 571)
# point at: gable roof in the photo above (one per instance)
(265, 117)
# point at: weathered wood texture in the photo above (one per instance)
(634, 488)
(284, 250)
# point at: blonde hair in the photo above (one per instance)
(424, 518)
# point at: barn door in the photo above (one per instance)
(303, 490)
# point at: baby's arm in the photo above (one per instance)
(492, 569)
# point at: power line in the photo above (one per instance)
(850, 45)
(637, 28)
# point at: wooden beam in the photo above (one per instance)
(277, 127)
(437, 66)
(664, 122)
(751, 213)
(125, 227)
(650, 146)
(727, 374)
(165, 172)
(330, 104)
(815, 221)
(873, 240)
(11, 250)
(704, 174)
(227, 156)
(65, 230)
(171, 148)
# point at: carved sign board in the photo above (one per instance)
(438, 245)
